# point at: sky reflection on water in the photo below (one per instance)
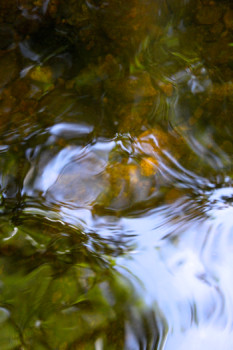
(177, 256)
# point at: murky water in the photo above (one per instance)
(116, 148)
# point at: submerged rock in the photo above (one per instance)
(209, 14)
(73, 176)
(8, 68)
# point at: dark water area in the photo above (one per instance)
(116, 227)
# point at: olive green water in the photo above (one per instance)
(116, 228)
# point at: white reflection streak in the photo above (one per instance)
(99, 344)
(45, 6)
(54, 168)
(13, 233)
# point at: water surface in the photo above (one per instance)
(116, 192)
